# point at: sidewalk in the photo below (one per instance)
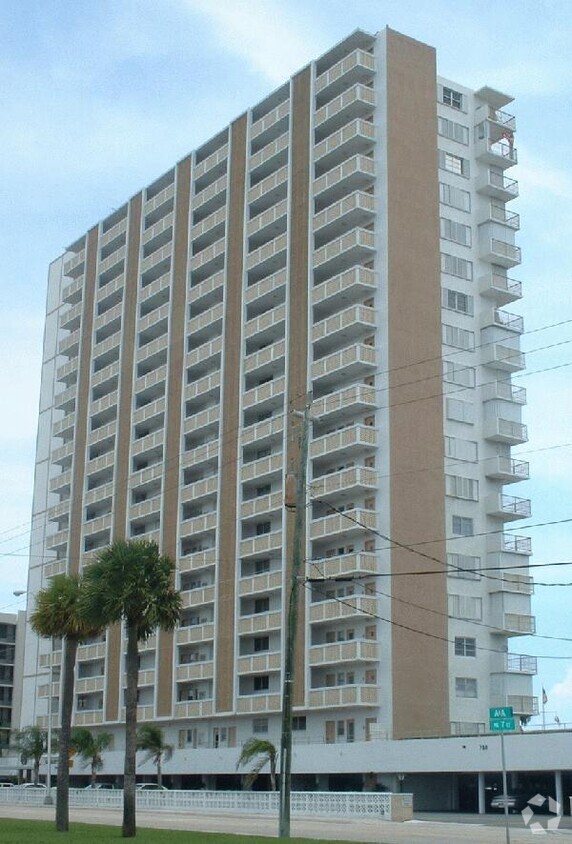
(425, 829)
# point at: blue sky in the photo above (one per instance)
(100, 98)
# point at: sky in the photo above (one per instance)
(100, 98)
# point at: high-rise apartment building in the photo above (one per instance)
(12, 631)
(347, 243)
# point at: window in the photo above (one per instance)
(454, 131)
(465, 647)
(459, 267)
(263, 490)
(454, 197)
(458, 487)
(465, 687)
(464, 606)
(261, 643)
(460, 411)
(454, 300)
(454, 164)
(458, 338)
(457, 232)
(452, 98)
(463, 526)
(299, 723)
(262, 528)
(465, 450)
(261, 566)
(456, 373)
(260, 725)
(261, 605)
(261, 684)
(464, 565)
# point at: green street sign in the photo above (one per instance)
(501, 725)
(500, 712)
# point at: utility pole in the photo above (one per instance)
(295, 499)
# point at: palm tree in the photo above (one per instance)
(131, 581)
(90, 746)
(151, 738)
(31, 743)
(58, 614)
(266, 753)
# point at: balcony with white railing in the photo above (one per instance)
(500, 214)
(266, 358)
(266, 293)
(205, 523)
(356, 210)
(72, 293)
(209, 261)
(114, 232)
(504, 121)
(515, 624)
(492, 183)
(520, 664)
(267, 259)
(262, 505)
(160, 199)
(508, 581)
(342, 565)
(354, 138)
(69, 345)
(509, 543)
(205, 453)
(345, 403)
(206, 294)
(75, 266)
(259, 623)
(70, 318)
(269, 158)
(202, 359)
(202, 632)
(205, 325)
(354, 651)
(503, 390)
(161, 231)
(353, 285)
(354, 437)
(357, 67)
(507, 507)
(202, 420)
(270, 126)
(353, 174)
(499, 252)
(505, 358)
(161, 258)
(258, 703)
(499, 287)
(264, 467)
(502, 319)
(357, 101)
(200, 670)
(343, 608)
(209, 200)
(351, 522)
(355, 479)
(343, 696)
(197, 560)
(345, 365)
(269, 326)
(198, 597)
(268, 192)
(269, 391)
(209, 229)
(211, 163)
(498, 153)
(265, 432)
(351, 324)
(205, 488)
(254, 545)
(267, 582)
(260, 663)
(506, 469)
(194, 709)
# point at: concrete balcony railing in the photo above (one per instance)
(74, 266)
(355, 478)
(355, 173)
(357, 101)
(196, 633)
(263, 430)
(194, 709)
(500, 288)
(344, 565)
(265, 287)
(355, 283)
(356, 67)
(352, 362)
(353, 138)
(342, 696)
(212, 161)
(506, 581)
(262, 505)
(358, 521)
(357, 650)
(348, 607)
(198, 597)
(266, 582)
(270, 119)
(358, 397)
(356, 436)
(259, 703)
(195, 671)
(115, 231)
(160, 198)
(197, 560)
(259, 623)
(262, 467)
(264, 392)
(261, 544)
(270, 154)
(205, 488)
(259, 663)
(158, 228)
(499, 356)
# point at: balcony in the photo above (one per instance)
(264, 467)
(161, 199)
(203, 359)
(206, 201)
(269, 158)
(346, 365)
(520, 664)
(267, 259)
(269, 326)
(502, 319)
(270, 391)
(206, 294)
(498, 153)
(516, 624)
(114, 232)
(509, 543)
(269, 430)
(521, 704)
(203, 670)
(355, 138)
(343, 696)
(259, 704)
(351, 324)
(259, 663)
(267, 582)
(357, 67)
(72, 293)
(203, 420)
(353, 285)
(209, 230)
(345, 403)
(497, 185)
(271, 125)
(351, 523)
(198, 597)
(357, 101)
(205, 453)
(194, 709)
(261, 544)
(259, 623)
(353, 211)
(69, 346)
(501, 214)
(357, 650)
(499, 287)
(74, 266)
(500, 252)
(354, 174)
(505, 391)
(70, 319)
(197, 560)
(504, 121)
(506, 358)
(268, 225)
(206, 325)
(343, 565)
(352, 437)
(208, 262)
(508, 507)
(197, 633)
(266, 359)
(507, 581)
(506, 469)
(268, 192)
(349, 607)
(212, 165)
(357, 478)
(268, 292)
(262, 505)
(160, 259)
(162, 231)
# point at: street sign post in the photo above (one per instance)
(500, 720)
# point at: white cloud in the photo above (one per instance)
(561, 693)
(261, 33)
(539, 174)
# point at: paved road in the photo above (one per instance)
(424, 829)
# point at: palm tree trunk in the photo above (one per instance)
(93, 778)
(63, 784)
(131, 671)
(159, 771)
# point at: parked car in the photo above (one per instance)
(107, 786)
(151, 786)
(6, 785)
(30, 785)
